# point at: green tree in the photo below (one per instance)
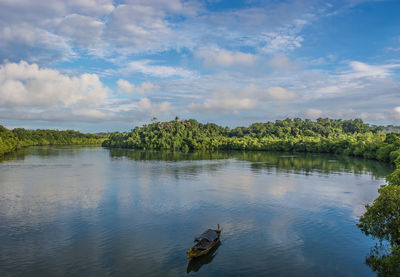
(381, 221)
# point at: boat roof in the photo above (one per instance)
(209, 235)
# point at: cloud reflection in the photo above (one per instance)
(95, 211)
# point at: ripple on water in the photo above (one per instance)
(89, 213)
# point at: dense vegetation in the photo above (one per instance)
(350, 137)
(382, 221)
(11, 140)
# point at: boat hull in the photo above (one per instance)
(194, 252)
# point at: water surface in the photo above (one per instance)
(70, 211)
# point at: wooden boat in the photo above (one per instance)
(204, 243)
(195, 264)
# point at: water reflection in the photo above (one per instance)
(44, 152)
(94, 212)
(303, 163)
(195, 264)
(151, 155)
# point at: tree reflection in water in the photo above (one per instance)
(303, 163)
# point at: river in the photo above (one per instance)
(89, 211)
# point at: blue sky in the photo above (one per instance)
(100, 65)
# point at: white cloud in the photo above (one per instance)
(284, 39)
(148, 67)
(364, 70)
(28, 92)
(90, 114)
(148, 87)
(394, 114)
(89, 7)
(82, 30)
(280, 93)
(276, 42)
(172, 6)
(313, 113)
(41, 10)
(281, 61)
(153, 26)
(46, 31)
(140, 30)
(47, 93)
(226, 58)
(153, 109)
(223, 103)
(125, 87)
(26, 84)
(129, 88)
(38, 42)
(139, 26)
(246, 98)
(330, 90)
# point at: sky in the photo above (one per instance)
(102, 65)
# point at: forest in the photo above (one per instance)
(11, 140)
(349, 137)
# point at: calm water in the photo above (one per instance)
(95, 212)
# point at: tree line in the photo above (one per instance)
(350, 137)
(11, 140)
